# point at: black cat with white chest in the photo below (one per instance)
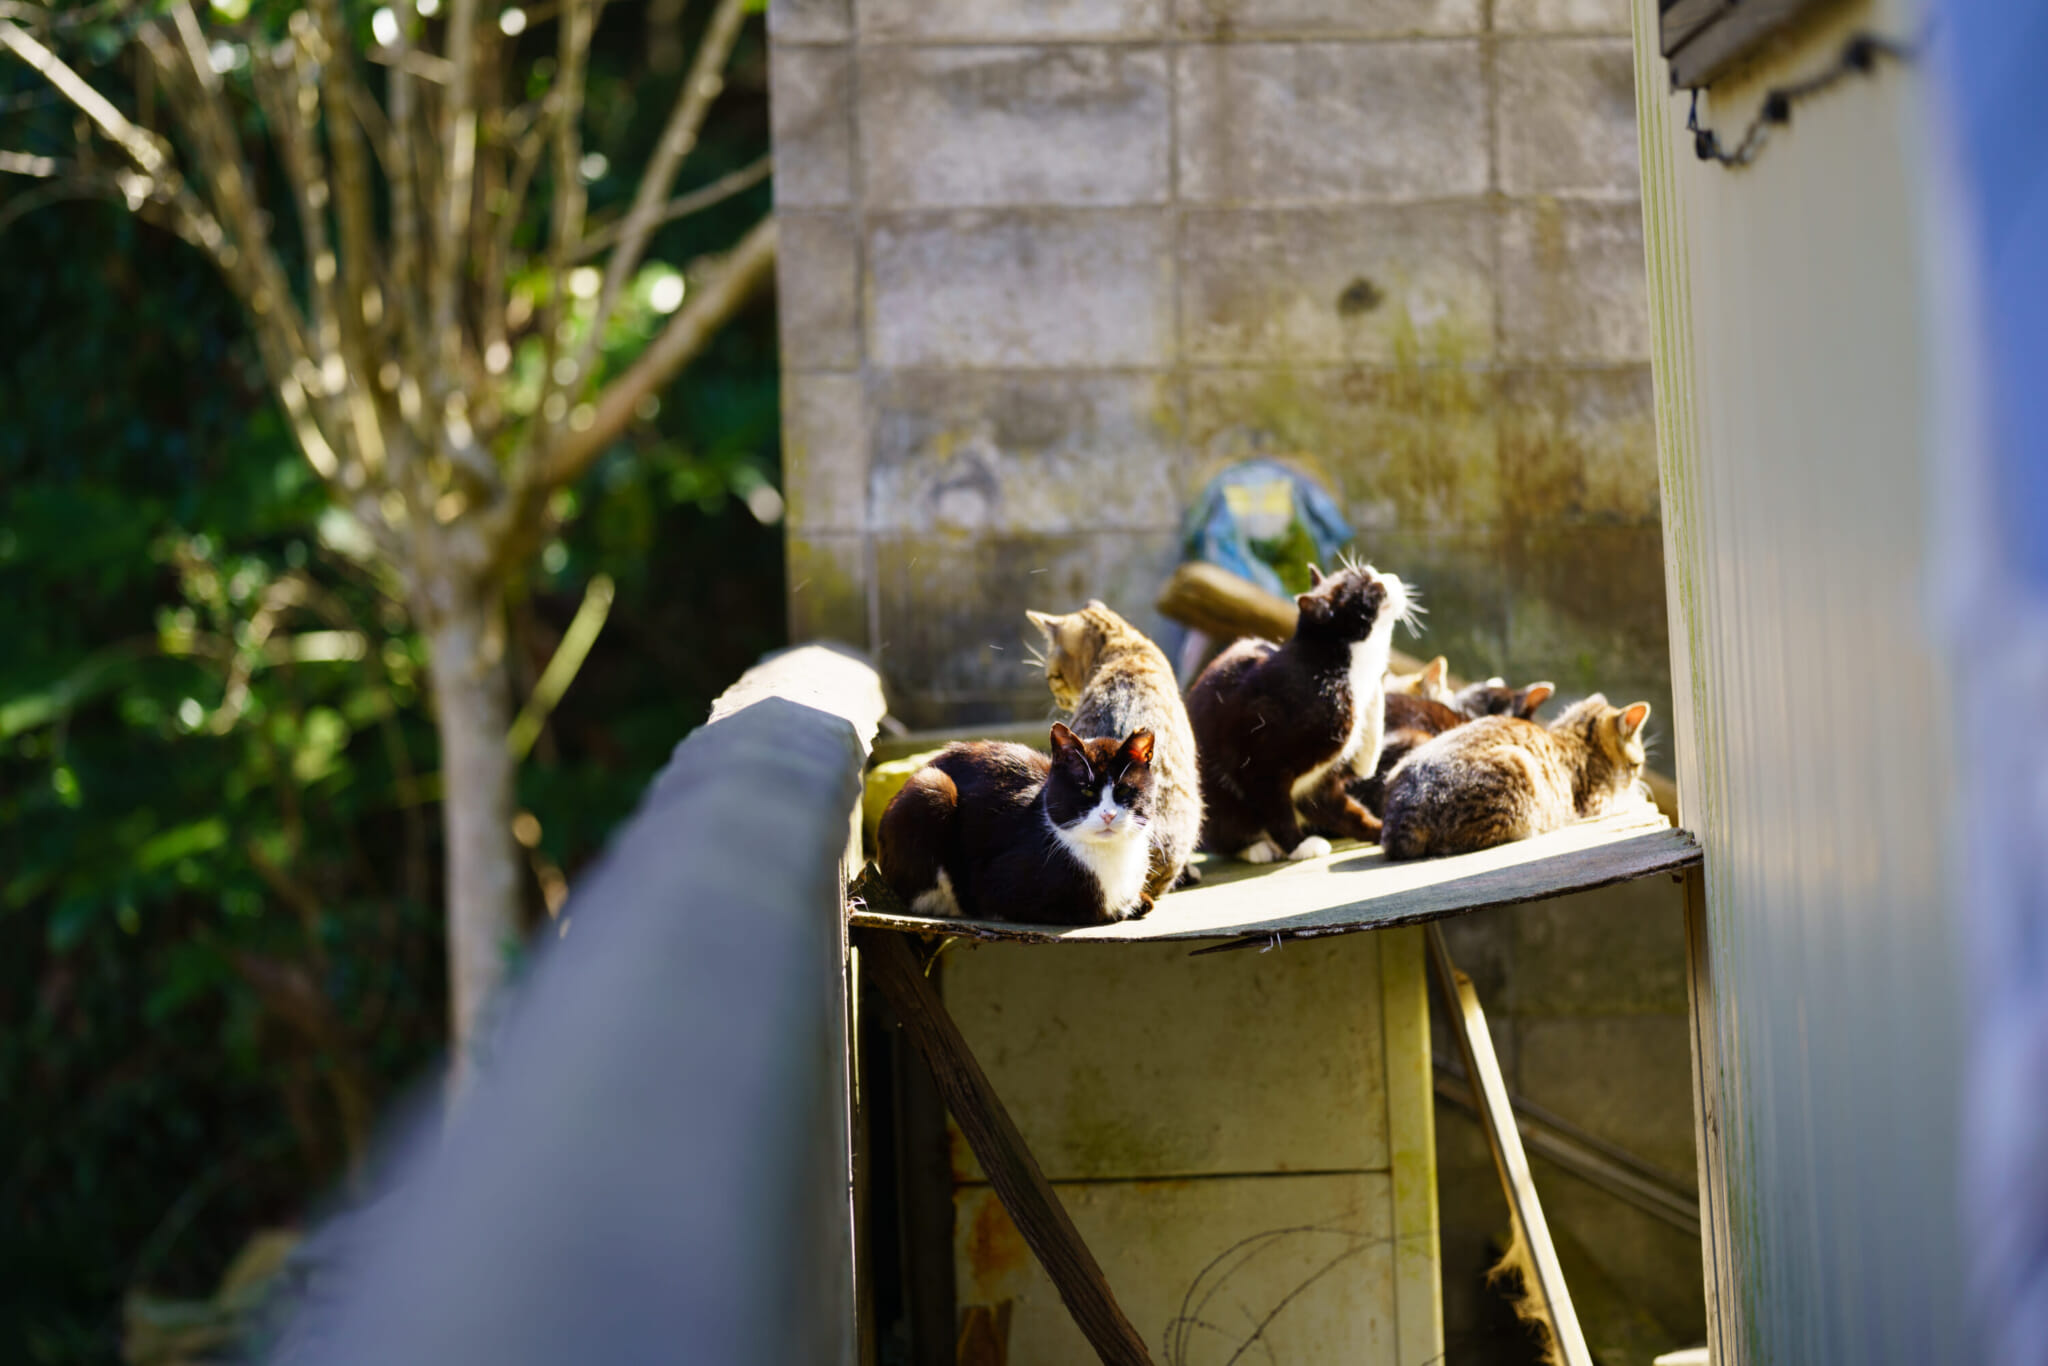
(1281, 729)
(993, 831)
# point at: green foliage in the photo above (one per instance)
(220, 945)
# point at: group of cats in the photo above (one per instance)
(1275, 749)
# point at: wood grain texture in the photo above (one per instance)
(1014, 1173)
(1354, 888)
(1497, 1116)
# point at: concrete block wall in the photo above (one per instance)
(1046, 267)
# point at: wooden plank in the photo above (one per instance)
(1411, 1149)
(1724, 1337)
(1014, 1173)
(1354, 888)
(1712, 47)
(1490, 1091)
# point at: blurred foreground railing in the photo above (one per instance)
(652, 1162)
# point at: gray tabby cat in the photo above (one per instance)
(1116, 681)
(1501, 778)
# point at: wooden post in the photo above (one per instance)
(1030, 1199)
(1497, 1117)
(1716, 1243)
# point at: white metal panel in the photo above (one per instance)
(1812, 724)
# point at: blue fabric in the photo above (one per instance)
(1233, 524)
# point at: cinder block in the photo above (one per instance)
(828, 588)
(824, 451)
(1578, 445)
(1410, 448)
(1566, 116)
(1023, 452)
(1282, 1069)
(1459, 575)
(810, 21)
(1318, 123)
(1572, 283)
(952, 606)
(1380, 284)
(817, 283)
(1616, 951)
(811, 107)
(1626, 1078)
(1007, 21)
(1222, 20)
(945, 127)
(1586, 610)
(1024, 290)
(1563, 16)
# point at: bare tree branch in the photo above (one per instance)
(298, 142)
(145, 148)
(700, 87)
(725, 288)
(248, 261)
(696, 201)
(565, 224)
(29, 164)
(452, 223)
(354, 198)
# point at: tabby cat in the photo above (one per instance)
(1501, 778)
(1114, 680)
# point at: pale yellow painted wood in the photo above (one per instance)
(1304, 1262)
(1140, 1062)
(1411, 1147)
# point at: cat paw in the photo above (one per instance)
(1265, 851)
(1315, 846)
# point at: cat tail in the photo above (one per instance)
(915, 831)
(1401, 837)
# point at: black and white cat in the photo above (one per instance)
(993, 831)
(1280, 729)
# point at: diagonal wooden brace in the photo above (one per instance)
(1032, 1204)
(1490, 1091)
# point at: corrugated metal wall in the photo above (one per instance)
(1812, 725)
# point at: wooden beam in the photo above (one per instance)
(1497, 1117)
(1724, 1338)
(1014, 1173)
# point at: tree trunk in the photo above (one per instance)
(472, 711)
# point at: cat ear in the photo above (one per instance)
(1633, 718)
(1096, 605)
(1046, 622)
(1139, 747)
(1434, 672)
(1315, 576)
(1064, 741)
(1535, 695)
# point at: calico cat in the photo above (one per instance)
(1411, 721)
(1501, 778)
(1280, 728)
(994, 831)
(1113, 681)
(1495, 698)
(1432, 681)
